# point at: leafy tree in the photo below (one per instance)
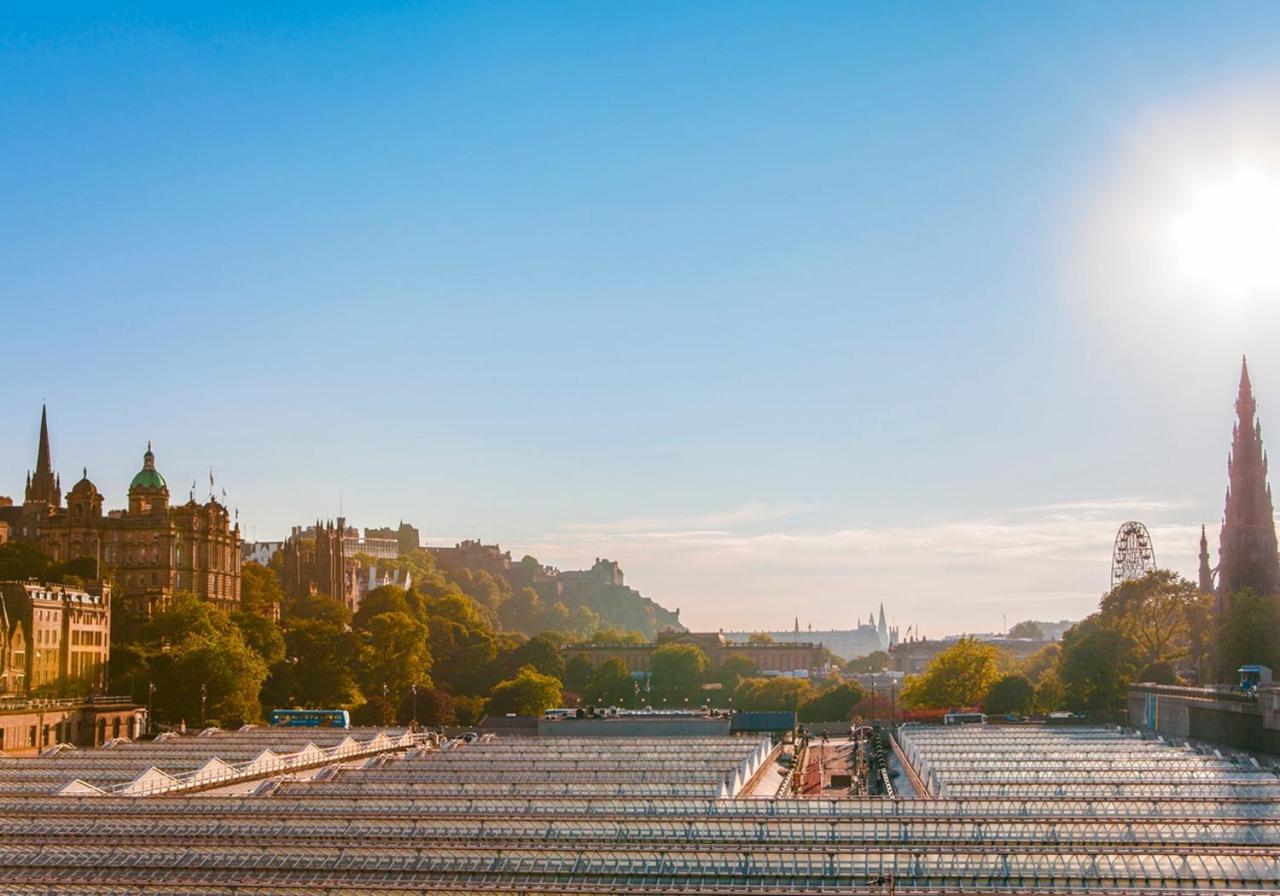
(617, 636)
(318, 668)
(19, 560)
(676, 671)
(765, 694)
(1161, 613)
(1159, 673)
(1027, 629)
(435, 707)
(734, 667)
(1011, 694)
(542, 652)
(1248, 632)
(203, 670)
(577, 673)
(958, 676)
(1037, 665)
(392, 655)
(260, 591)
(835, 704)
(262, 635)
(387, 599)
(1096, 665)
(876, 661)
(760, 638)
(610, 685)
(529, 693)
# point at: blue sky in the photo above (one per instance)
(790, 308)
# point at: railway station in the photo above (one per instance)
(999, 809)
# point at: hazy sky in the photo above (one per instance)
(790, 308)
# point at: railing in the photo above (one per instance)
(1223, 693)
(62, 702)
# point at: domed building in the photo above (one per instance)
(151, 551)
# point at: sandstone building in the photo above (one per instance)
(152, 549)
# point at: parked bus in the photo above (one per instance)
(310, 718)
(964, 718)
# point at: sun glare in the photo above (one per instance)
(1222, 234)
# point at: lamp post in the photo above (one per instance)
(414, 688)
(151, 690)
(204, 694)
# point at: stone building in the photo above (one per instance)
(315, 562)
(800, 660)
(54, 639)
(1247, 554)
(151, 550)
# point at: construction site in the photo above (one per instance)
(932, 810)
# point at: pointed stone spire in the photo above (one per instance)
(44, 485)
(1247, 555)
(1206, 574)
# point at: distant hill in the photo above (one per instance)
(532, 597)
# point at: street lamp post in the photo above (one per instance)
(204, 694)
(414, 689)
(151, 690)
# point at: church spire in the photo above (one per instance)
(1206, 574)
(44, 485)
(1247, 555)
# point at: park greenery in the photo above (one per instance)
(1159, 628)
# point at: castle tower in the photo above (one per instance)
(1206, 574)
(1247, 555)
(43, 486)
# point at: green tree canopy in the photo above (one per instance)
(610, 685)
(1027, 629)
(958, 676)
(203, 671)
(1096, 665)
(764, 694)
(734, 667)
(529, 693)
(577, 673)
(877, 661)
(676, 672)
(1010, 694)
(835, 704)
(1249, 632)
(542, 651)
(1166, 617)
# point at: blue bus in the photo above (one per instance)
(310, 718)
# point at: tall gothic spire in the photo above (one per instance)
(1247, 556)
(44, 485)
(1206, 574)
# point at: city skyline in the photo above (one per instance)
(787, 316)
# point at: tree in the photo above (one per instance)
(203, 670)
(760, 638)
(1027, 629)
(1096, 665)
(734, 667)
(529, 693)
(876, 661)
(260, 591)
(1011, 694)
(262, 635)
(610, 685)
(835, 704)
(577, 673)
(676, 671)
(1248, 632)
(1162, 614)
(542, 652)
(766, 694)
(958, 676)
(392, 656)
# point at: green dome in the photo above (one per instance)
(148, 476)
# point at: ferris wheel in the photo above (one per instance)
(1133, 556)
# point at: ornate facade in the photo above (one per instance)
(1247, 554)
(151, 550)
(315, 562)
(54, 639)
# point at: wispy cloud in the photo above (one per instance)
(957, 575)
(751, 512)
